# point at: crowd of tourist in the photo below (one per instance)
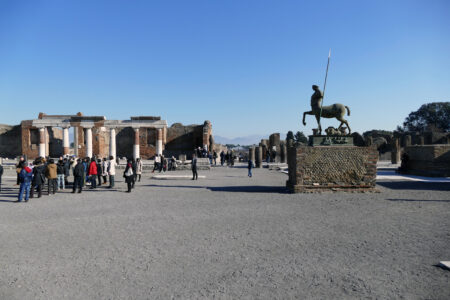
(33, 176)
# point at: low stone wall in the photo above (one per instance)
(331, 168)
(427, 160)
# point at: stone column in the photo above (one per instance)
(259, 156)
(112, 142)
(42, 142)
(395, 152)
(407, 140)
(251, 154)
(283, 154)
(136, 143)
(421, 140)
(89, 142)
(159, 141)
(75, 141)
(66, 143)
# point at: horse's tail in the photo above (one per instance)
(348, 110)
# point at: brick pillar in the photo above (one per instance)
(159, 141)
(136, 143)
(42, 142)
(66, 143)
(259, 157)
(112, 142)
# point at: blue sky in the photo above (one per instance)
(247, 66)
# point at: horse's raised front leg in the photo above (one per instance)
(304, 115)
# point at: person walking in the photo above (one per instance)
(222, 158)
(26, 176)
(99, 171)
(129, 175)
(1, 174)
(104, 169)
(51, 174)
(60, 175)
(133, 166)
(78, 174)
(215, 157)
(139, 169)
(194, 167)
(92, 172)
(111, 171)
(38, 177)
(250, 167)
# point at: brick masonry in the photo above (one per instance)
(331, 168)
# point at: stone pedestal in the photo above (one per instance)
(332, 168)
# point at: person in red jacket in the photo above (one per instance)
(92, 172)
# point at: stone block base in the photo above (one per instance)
(332, 168)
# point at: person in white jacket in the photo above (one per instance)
(111, 171)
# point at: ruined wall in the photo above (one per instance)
(427, 160)
(10, 141)
(331, 168)
(183, 139)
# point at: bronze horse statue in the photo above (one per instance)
(336, 110)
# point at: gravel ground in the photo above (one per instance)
(226, 236)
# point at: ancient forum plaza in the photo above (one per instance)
(142, 136)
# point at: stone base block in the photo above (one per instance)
(332, 168)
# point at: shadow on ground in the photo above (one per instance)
(240, 189)
(415, 185)
(417, 200)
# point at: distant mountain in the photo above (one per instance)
(243, 141)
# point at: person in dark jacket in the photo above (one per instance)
(93, 173)
(60, 173)
(250, 166)
(99, 171)
(66, 171)
(194, 167)
(134, 166)
(78, 174)
(128, 174)
(38, 178)
(1, 174)
(26, 176)
(20, 165)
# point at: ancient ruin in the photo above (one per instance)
(141, 136)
